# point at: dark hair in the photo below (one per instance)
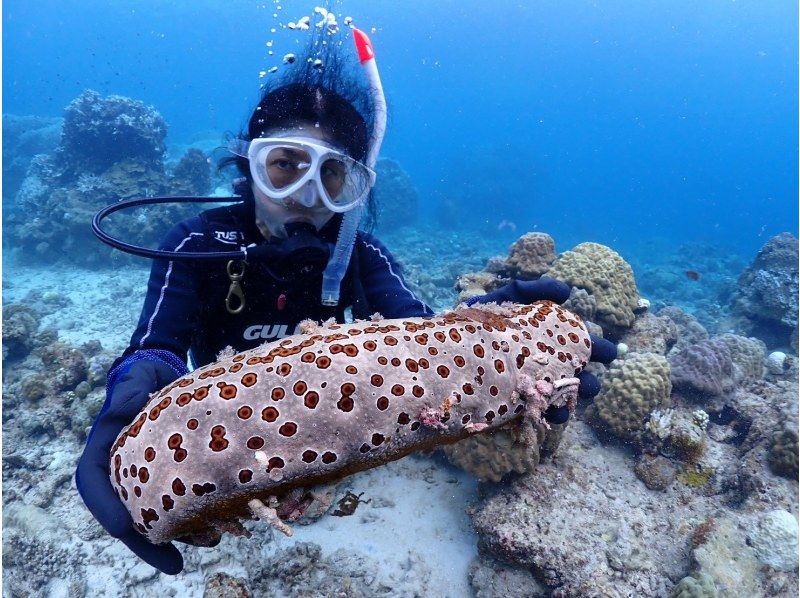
(333, 94)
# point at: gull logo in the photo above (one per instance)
(226, 236)
(266, 332)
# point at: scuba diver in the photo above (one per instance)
(307, 160)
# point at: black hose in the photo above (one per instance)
(160, 253)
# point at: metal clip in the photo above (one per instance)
(235, 290)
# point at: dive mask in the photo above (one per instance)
(293, 167)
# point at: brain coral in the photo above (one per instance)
(699, 585)
(783, 452)
(604, 274)
(531, 255)
(321, 405)
(704, 370)
(492, 455)
(632, 389)
(690, 330)
(747, 354)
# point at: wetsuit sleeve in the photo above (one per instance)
(383, 283)
(172, 305)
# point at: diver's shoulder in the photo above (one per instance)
(368, 239)
(186, 232)
(373, 248)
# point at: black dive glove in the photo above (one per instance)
(129, 388)
(549, 289)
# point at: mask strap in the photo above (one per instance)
(239, 147)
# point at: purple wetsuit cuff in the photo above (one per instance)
(168, 358)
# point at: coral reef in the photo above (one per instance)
(582, 303)
(602, 272)
(690, 331)
(99, 132)
(48, 392)
(67, 364)
(531, 256)
(476, 283)
(20, 324)
(632, 389)
(222, 585)
(303, 570)
(766, 297)
(655, 471)
(192, 174)
(23, 550)
(23, 138)
(662, 272)
(395, 195)
(783, 452)
(726, 559)
(703, 370)
(490, 578)
(456, 254)
(774, 539)
(567, 524)
(491, 456)
(696, 502)
(700, 585)
(651, 334)
(110, 149)
(747, 355)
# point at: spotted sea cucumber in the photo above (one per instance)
(211, 447)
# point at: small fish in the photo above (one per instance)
(692, 275)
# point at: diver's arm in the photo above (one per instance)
(172, 304)
(384, 286)
(155, 358)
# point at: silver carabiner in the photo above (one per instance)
(235, 290)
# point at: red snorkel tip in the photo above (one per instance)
(363, 46)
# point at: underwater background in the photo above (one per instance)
(674, 119)
(655, 141)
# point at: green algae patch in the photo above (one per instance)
(696, 477)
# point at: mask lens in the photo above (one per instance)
(345, 180)
(333, 173)
(286, 165)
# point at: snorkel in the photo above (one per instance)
(337, 266)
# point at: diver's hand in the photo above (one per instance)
(550, 289)
(123, 402)
(526, 291)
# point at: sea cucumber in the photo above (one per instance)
(311, 408)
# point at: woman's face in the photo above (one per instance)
(283, 169)
(285, 165)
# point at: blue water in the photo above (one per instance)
(611, 121)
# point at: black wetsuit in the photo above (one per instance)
(184, 310)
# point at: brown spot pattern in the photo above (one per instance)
(269, 414)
